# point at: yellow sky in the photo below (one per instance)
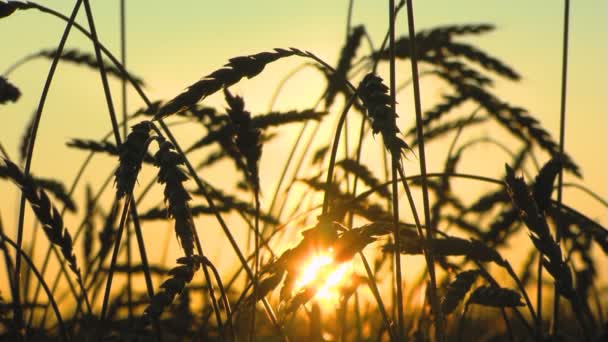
(173, 44)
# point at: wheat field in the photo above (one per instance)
(303, 171)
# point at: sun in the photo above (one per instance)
(326, 276)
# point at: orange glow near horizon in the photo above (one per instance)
(326, 276)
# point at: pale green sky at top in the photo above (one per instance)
(174, 43)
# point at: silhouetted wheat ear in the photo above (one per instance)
(224, 128)
(335, 82)
(488, 201)
(520, 157)
(449, 246)
(3, 309)
(176, 196)
(180, 276)
(8, 92)
(204, 114)
(539, 232)
(149, 110)
(341, 202)
(519, 122)
(376, 99)
(465, 225)
(47, 214)
(447, 127)
(8, 7)
(495, 297)
(281, 118)
(442, 189)
(543, 183)
(138, 269)
(268, 282)
(58, 190)
(471, 53)
(299, 299)
(247, 138)
(449, 102)
(543, 138)
(522, 199)
(319, 155)
(350, 243)
(457, 289)
(364, 174)
(89, 225)
(456, 30)
(320, 237)
(428, 41)
(25, 138)
(131, 155)
(528, 269)
(102, 147)
(229, 202)
(213, 157)
(568, 216)
(182, 312)
(93, 146)
(108, 232)
(455, 73)
(86, 59)
(435, 46)
(159, 213)
(236, 68)
(499, 228)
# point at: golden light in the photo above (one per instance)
(326, 276)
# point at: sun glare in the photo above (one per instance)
(326, 276)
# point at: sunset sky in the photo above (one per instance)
(172, 44)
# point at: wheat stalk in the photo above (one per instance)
(30, 263)
(562, 136)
